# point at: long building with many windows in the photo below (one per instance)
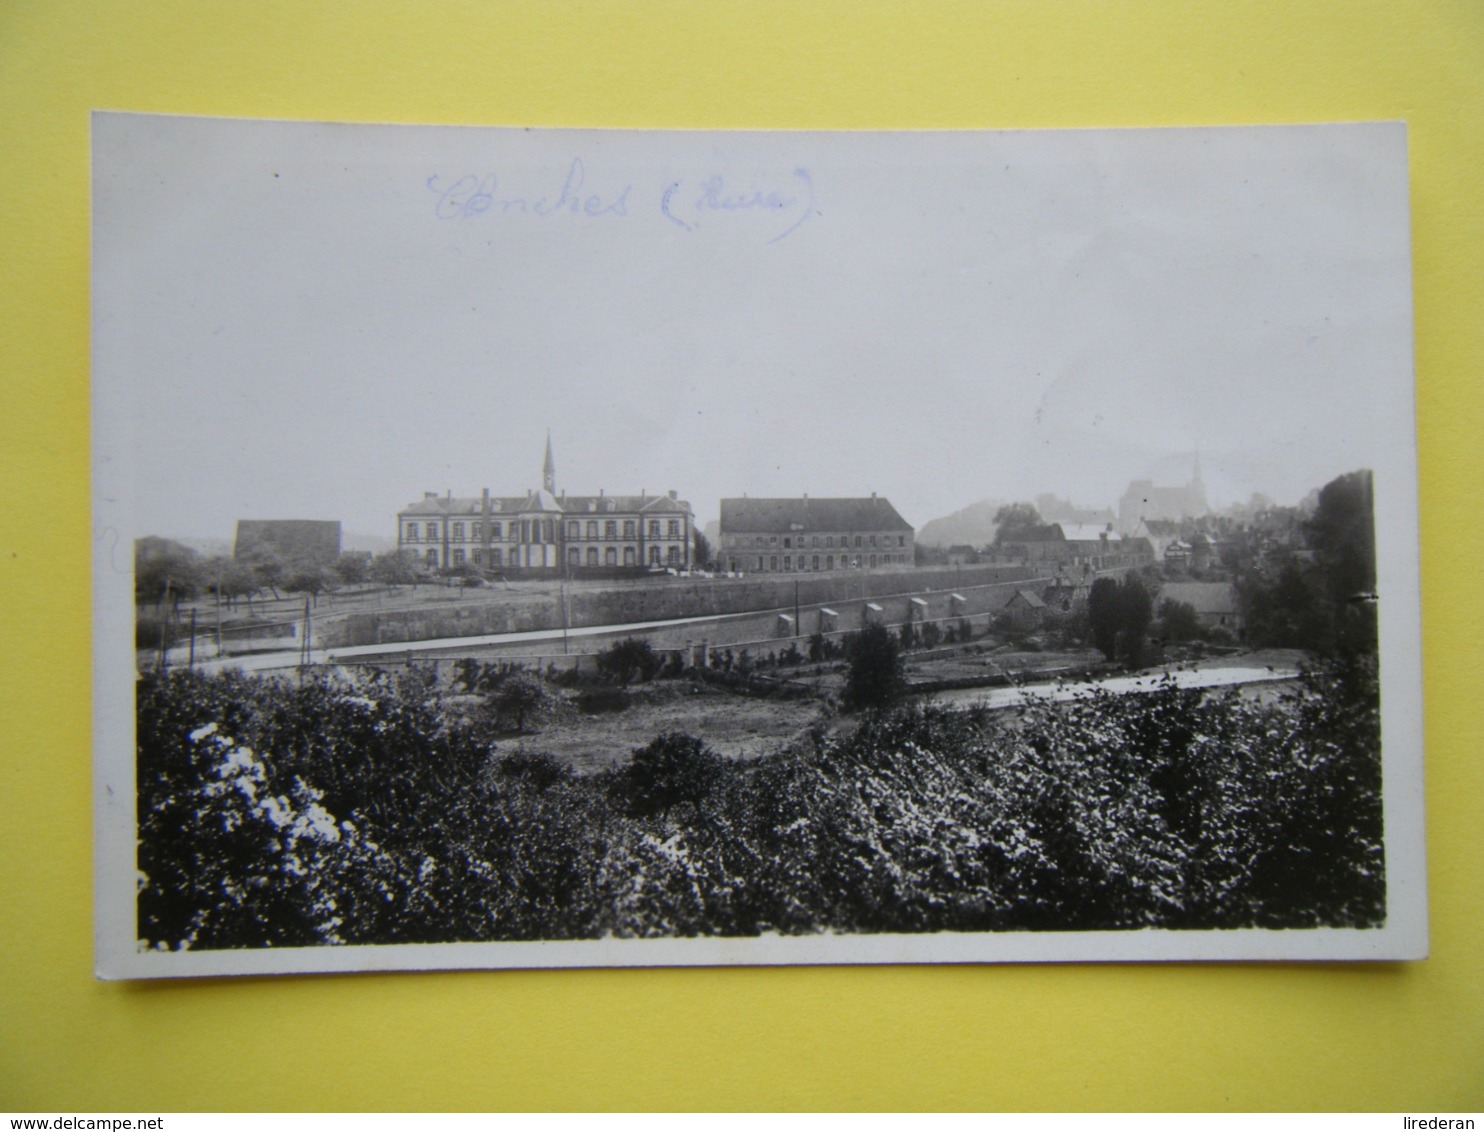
(548, 532)
(768, 536)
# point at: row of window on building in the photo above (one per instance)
(543, 530)
(610, 556)
(802, 542)
(759, 563)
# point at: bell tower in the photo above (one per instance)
(548, 469)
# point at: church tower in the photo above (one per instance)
(548, 469)
(1197, 503)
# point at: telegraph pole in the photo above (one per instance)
(306, 645)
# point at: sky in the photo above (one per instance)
(300, 320)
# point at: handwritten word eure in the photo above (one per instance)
(687, 207)
(471, 196)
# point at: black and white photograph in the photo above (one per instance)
(534, 547)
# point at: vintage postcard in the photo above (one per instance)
(534, 547)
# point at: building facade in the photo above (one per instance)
(1145, 501)
(547, 532)
(773, 536)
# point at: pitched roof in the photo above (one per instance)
(457, 506)
(1027, 597)
(779, 516)
(1089, 532)
(1203, 597)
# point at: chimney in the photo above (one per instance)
(806, 497)
(873, 495)
(430, 495)
(673, 495)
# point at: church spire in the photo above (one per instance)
(548, 469)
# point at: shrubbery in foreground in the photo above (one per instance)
(273, 814)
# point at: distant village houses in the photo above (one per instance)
(770, 536)
(1074, 547)
(1215, 603)
(546, 532)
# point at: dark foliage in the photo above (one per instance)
(596, 701)
(1020, 521)
(1179, 621)
(629, 660)
(1321, 599)
(673, 770)
(1119, 614)
(280, 814)
(876, 678)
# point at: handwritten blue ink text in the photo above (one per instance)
(472, 196)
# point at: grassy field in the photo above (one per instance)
(741, 726)
(733, 725)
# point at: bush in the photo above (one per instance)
(596, 701)
(1179, 620)
(674, 770)
(522, 698)
(278, 814)
(629, 660)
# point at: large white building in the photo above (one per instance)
(549, 532)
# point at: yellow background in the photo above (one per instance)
(1237, 1036)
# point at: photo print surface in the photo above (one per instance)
(523, 547)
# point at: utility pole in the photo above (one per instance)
(798, 622)
(165, 629)
(306, 645)
(562, 590)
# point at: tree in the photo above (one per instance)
(164, 568)
(702, 547)
(1287, 608)
(1180, 620)
(628, 660)
(269, 569)
(353, 567)
(1018, 521)
(394, 568)
(1343, 535)
(230, 578)
(674, 769)
(816, 648)
(876, 678)
(1120, 614)
(1103, 609)
(522, 697)
(309, 580)
(1137, 610)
